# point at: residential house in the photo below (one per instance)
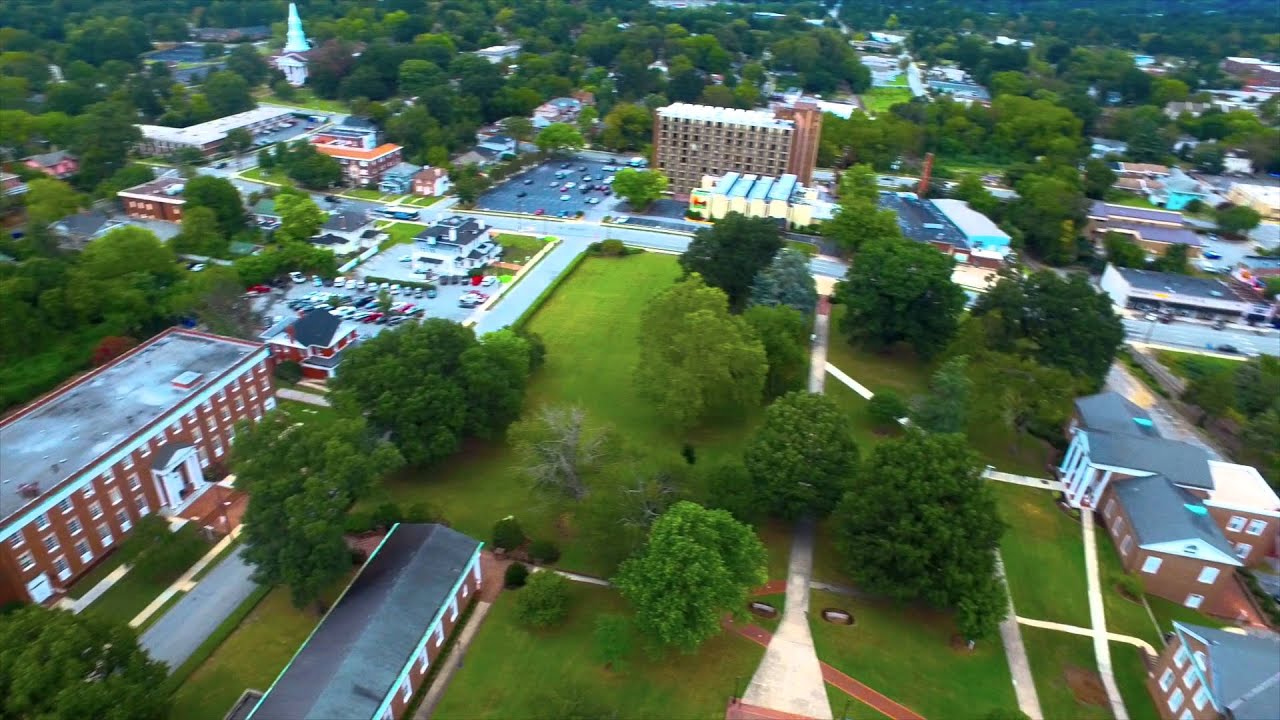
(556, 110)
(584, 97)
(315, 341)
(135, 437)
(1153, 230)
(500, 144)
(1101, 147)
(398, 179)
(76, 231)
(1175, 109)
(361, 167)
(1182, 522)
(452, 245)
(374, 648)
(1180, 190)
(498, 53)
(265, 213)
(1236, 162)
(11, 184)
(479, 156)
(348, 232)
(59, 164)
(431, 182)
(1210, 674)
(1141, 170)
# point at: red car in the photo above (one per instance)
(539, 211)
(259, 290)
(373, 317)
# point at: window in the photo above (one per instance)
(86, 554)
(1193, 602)
(1208, 575)
(1180, 657)
(217, 447)
(212, 425)
(63, 570)
(1256, 527)
(134, 483)
(208, 406)
(196, 434)
(42, 521)
(1186, 715)
(128, 462)
(1189, 679)
(90, 491)
(406, 690)
(1166, 680)
(422, 659)
(143, 508)
(1200, 698)
(50, 543)
(95, 510)
(1235, 524)
(104, 533)
(64, 505)
(1151, 565)
(226, 414)
(1199, 659)
(15, 540)
(1110, 508)
(115, 496)
(1116, 522)
(1243, 550)
(1175, 700)
(1126, 545)
(74, 527)
(145, 450)
(26, 561)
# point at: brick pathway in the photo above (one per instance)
(773, 587)
(834, 677)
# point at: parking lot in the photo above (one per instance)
(538, 188)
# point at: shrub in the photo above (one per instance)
(515, 576)
(885, 407)
(544, 602)
(612, 247)
(420, 512)
(507, 533)
(358, 522)
(545, 552)
(689, 454)
(1129, 586)
(289, 371)
(166, 560)
(386, 515)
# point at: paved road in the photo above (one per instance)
(185, 626)
(1195, 335)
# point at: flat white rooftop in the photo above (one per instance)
(1241, 486)
(214, 130)
(57, 438)
(732, 116)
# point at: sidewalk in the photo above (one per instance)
(302, 397)
(1024, 684)
(1077, 630)
(1097, 618)
(453, 662)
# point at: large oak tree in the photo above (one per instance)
(730, 254)
(803, 458)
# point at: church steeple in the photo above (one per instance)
(295, 39)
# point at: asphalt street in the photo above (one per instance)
(187, 624)
(1204, 337)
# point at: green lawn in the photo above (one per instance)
(807, 248)
(1120, 197)
(1167, 611)
(1043, 553)
(1053, 655)
(133, 593)
(880, 99)
(1131, 677)
(827, 563)
(119, 556)
(400, 234)
(304, 98)
(589, 326)
(779, 601)
(899, 369)
(363, 194)
(422, 201)
(251, 657)
(776, 536)
(519, 248)
(267, 176)
(306, 412)
(509, 670)
(952, 167)
(905, 653)
(1124, 616)
(1192, 366)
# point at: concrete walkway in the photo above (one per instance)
(854, 385)
(1077, 630)
(790, 677)
(185, 582)
(453, 662)
(1097, 618)
(75, 605)
(1025, 480)
(818, 354)
(1024, 684)
(302, 397)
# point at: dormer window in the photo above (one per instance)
(1190, 550)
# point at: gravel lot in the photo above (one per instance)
(542, 190)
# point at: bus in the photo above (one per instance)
(398, 213)
(637, 162)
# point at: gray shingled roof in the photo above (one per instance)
(353, 659)
(1182, 463)
(1245, 670)
(1159, 512)
(346, 221)
(1114, 413)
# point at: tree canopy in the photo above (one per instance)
(696, 566)
(730, 254)
(639, 187)
(788, 281)
(803, 458)
(785, 336)
(559, 138)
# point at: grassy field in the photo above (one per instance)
(509, 670)
(251, 657)
(1167, 611)
(304, 98)
(880, 99)
(807, 248)
(905, 653)
(1053, 655)
(776, 536)
(400, 234)
(133, 593)
(1131, 677)
(589, 326)
(1124, 616)
(364, 194)
(864, 430)
(100, 571)
(267, 176)
(1193, 367)
(519, 248)
(1043, 555)
(422, 201)
(1120, 197)
(898, 369)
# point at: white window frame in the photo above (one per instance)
(406, 689)
(1199, 659)
(87, 553)
(51, 543)
(1126, 545)
(65, 506)
(424, 659)
(128, 461)
(16, 540)
(135, 482)
(1200, 698)
(65, 572)
(1181, 656)
(115, 496)
(1149, 568)
(95, 510)
(1186, 715)
(90, 491)
(1236, 523)
(1198, 603)
(1175, 699)
(217, 447)
(26, 561)
(1110, 508)
(107, 537)
(1166, 679)
(42, 521)
(74, 527)
(1189, 679)
(1243, 550)
(1208, 575)
(1256, 527)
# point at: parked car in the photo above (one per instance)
(466, 303)
(1229, 349)
(317, 281)
(432, 293)
(522, 194)
(1211, 255)
(419, 292)
(528, 181)
(582, 168)
(297, 277)
(539, 211)
(331, 199)
(593, 201)
(394, 289)
(339, 282)
(374, 317)
(258, 289)
(366, 300)
(565, 198)
(553, 183)
(406, 258)
(322, 306)
(360, 285)
(488, 281)
(571, 185)
(564, 166)
(397, 320)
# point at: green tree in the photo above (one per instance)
(300, 217)
(1212, 392)
(238, 140)
(859, 222)
(62, 666)
(730, 254)
(1018, 394)
(1122, 251)
(639, 187)
(858, 182)
(559, 138)
(785, 336)
(696, 359)
(544, 600)
(308, 166)
(520, 128)
(245, 61)
(1237, 219)
(803, 457)
(200, 234)
(788, 281)
(919, 523)
(228, 93)
(126, 177)
(220, 196)
(696, 566)
(49, 200)
(468, 183)
(1173, 260)
(301, 480)
(627, 127)
(900, 291)
(1098, 178)
(885, 408)
(945, 408)
(125, 279)
(418, 77)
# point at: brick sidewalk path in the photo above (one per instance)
(832, 676)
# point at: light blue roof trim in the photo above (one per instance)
(761, 189)
(726, 182)
(743, 186)
(783, 189)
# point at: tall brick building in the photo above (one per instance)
(81, 465)
(690, 141)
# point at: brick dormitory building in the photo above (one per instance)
(80, 465)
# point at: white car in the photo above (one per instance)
(197, 267)
(593, 201)
(360, 285)
(406, 258)
(571, 185)
(566, 197)
(297, 277)
(384, 287)
(343, 311)
(489, 280)
(339, 282)
(394, 289)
